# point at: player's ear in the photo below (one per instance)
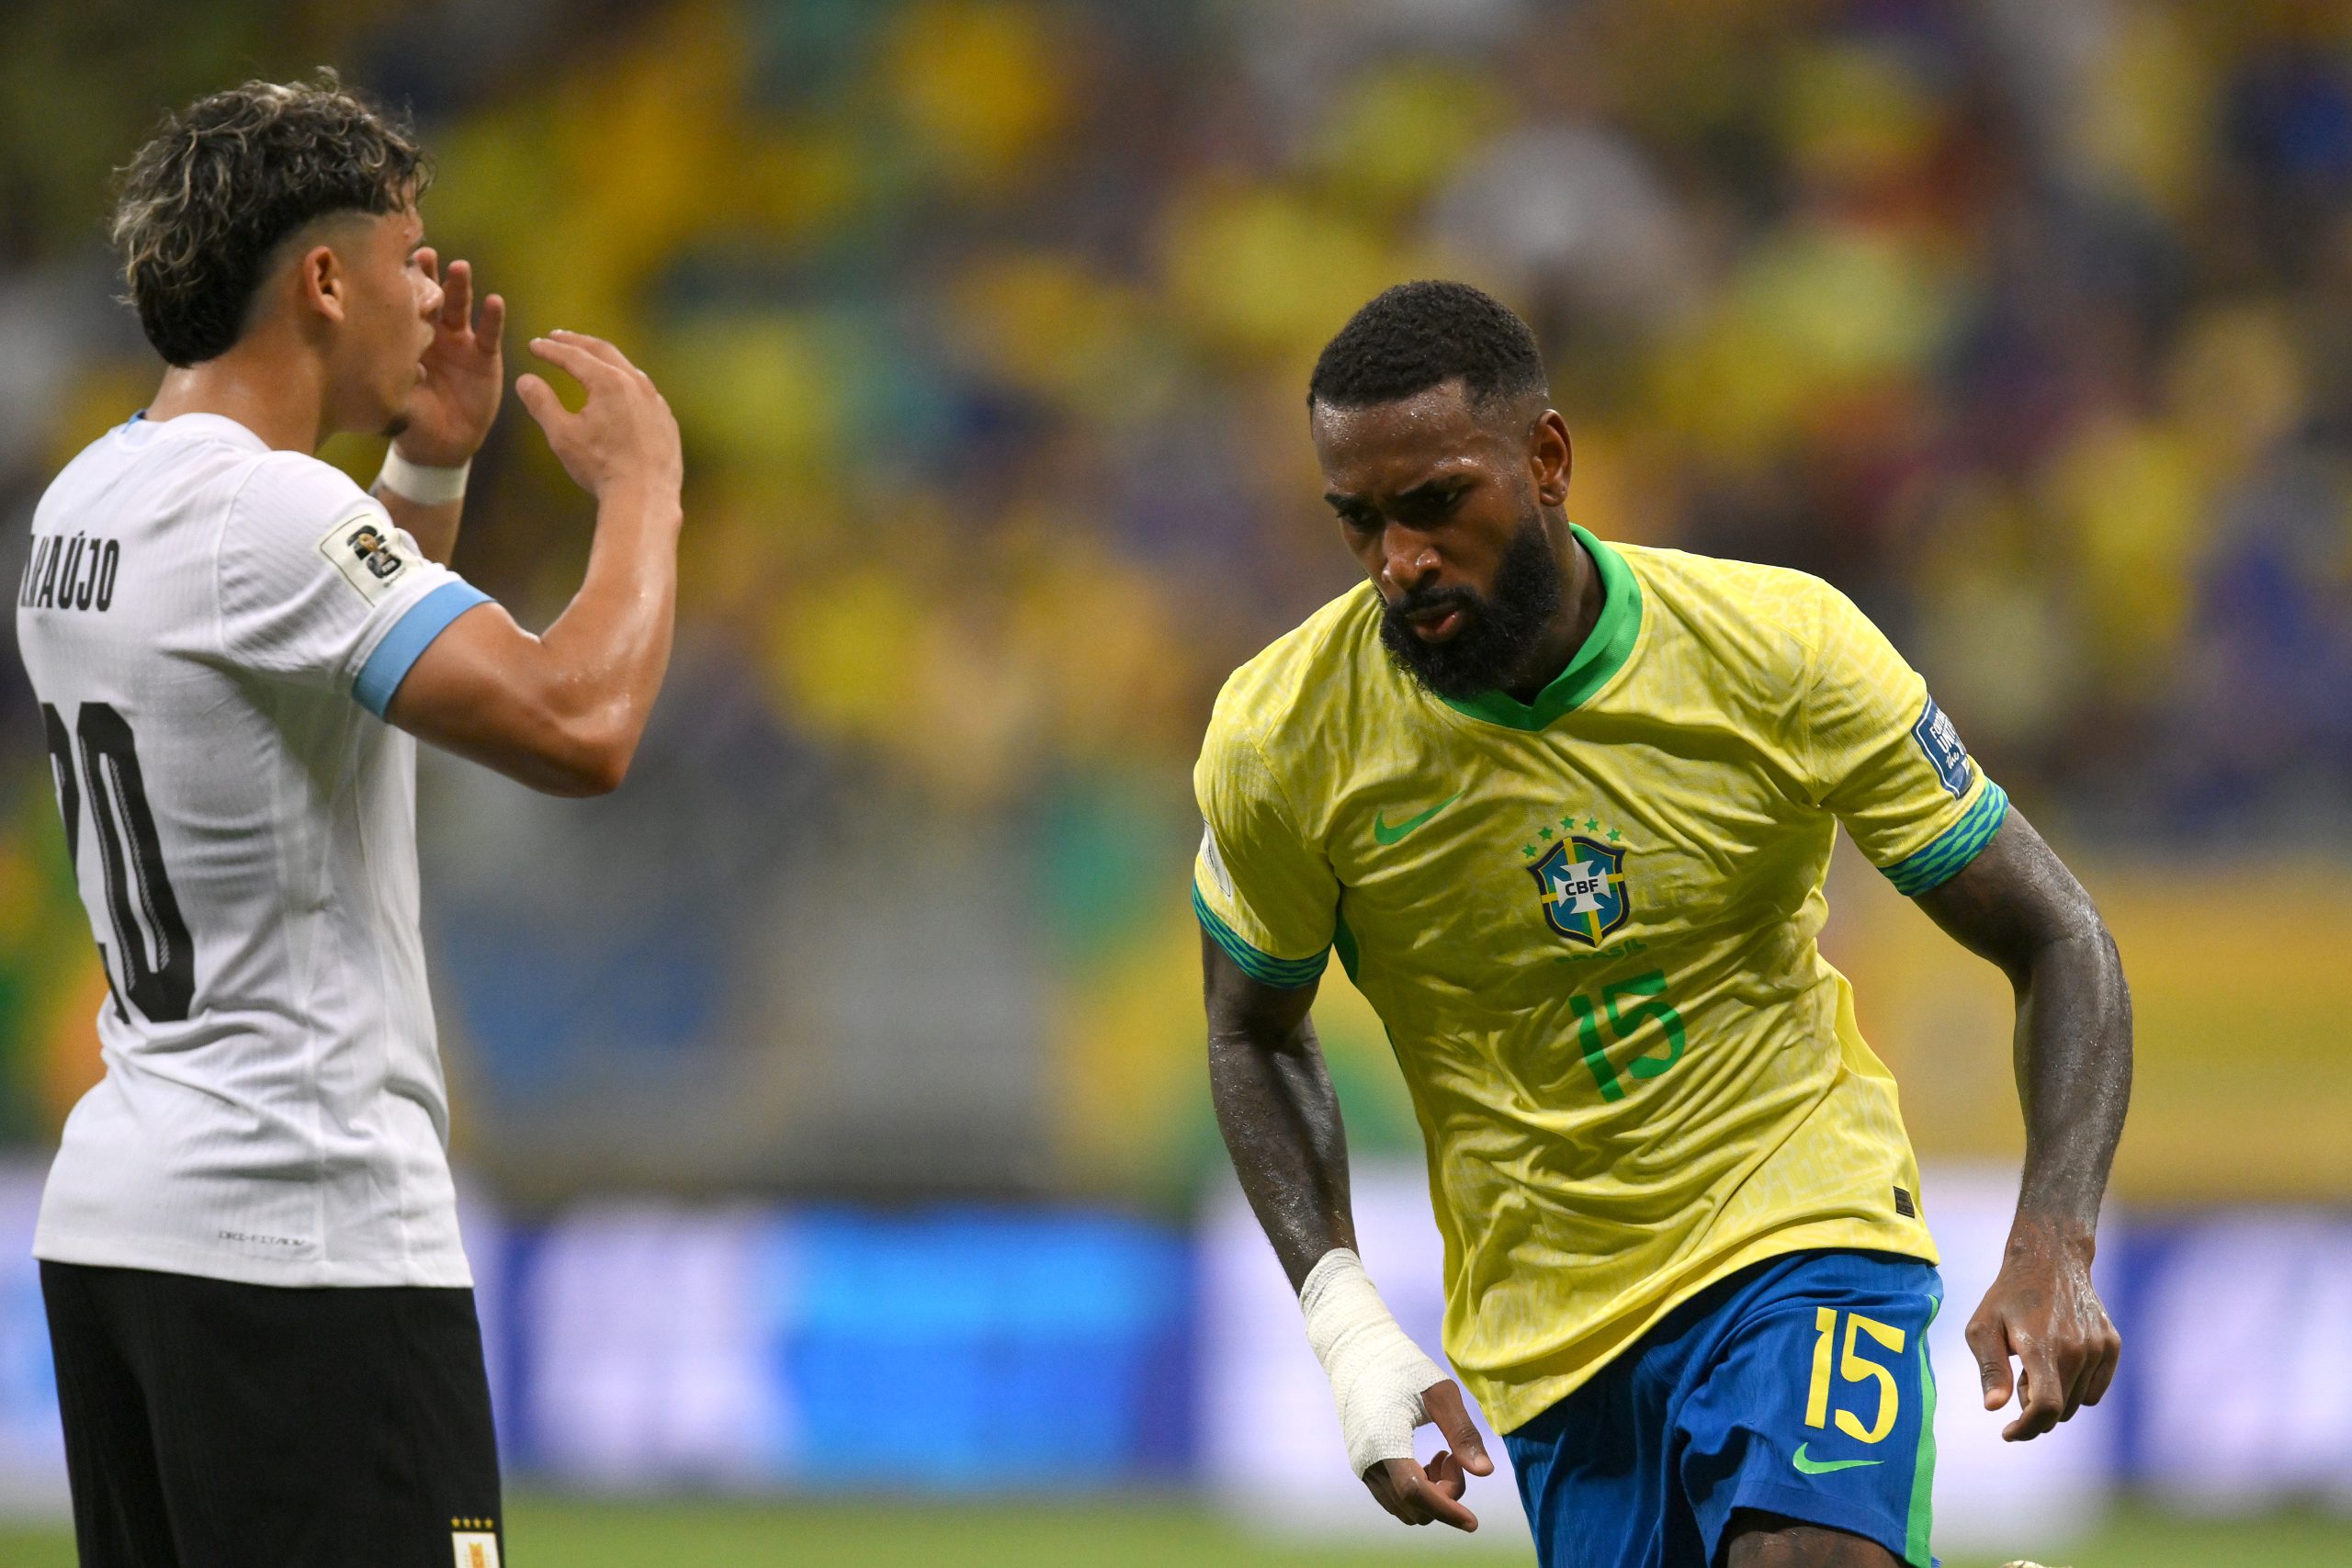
(322, 284)
(1550, 457)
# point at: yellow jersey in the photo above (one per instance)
(1588, 924)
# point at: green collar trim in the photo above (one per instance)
(1606, 648)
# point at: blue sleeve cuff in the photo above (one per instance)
(1959, 844)
(1286, 973)
(409, 637)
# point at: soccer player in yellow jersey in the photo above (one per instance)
(1564, 810)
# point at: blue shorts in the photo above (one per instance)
(1799, 1386)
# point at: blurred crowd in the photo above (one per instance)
(988, 323)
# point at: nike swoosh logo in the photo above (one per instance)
(1384, 834)
(1823, 1467)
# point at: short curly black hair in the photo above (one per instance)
(221, 183)
(1416, 335)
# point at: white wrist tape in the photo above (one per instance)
(426, 487)
(1378, 1372)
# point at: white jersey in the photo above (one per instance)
(213, 630)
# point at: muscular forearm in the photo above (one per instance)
(2019, 906)
(2073, 1072)
(608, 651)
(1281, 1126)
(1280, 1123)
(563, 712)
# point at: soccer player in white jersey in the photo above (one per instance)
(261, 1312)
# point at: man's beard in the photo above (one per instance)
(1498, 629)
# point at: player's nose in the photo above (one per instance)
(1408, 559)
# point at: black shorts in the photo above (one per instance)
(215, 1425)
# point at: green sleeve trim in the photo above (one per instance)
(1923, 1472)
(1959, 844)
(1263, 967)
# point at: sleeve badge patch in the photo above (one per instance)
(475, 1548)
(1940, 741)
(372, 556)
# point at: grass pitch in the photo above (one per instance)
(555, 1532)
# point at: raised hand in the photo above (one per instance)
(451, 411)
(2043, 1311)
(623, 438)
(1432, 1495)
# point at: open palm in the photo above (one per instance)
(464, 375)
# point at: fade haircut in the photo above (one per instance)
(222, 183)
(1417, 335)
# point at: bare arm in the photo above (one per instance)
(1276, 1107)
(1281, 1126)
(563, 712)
(2017, 904)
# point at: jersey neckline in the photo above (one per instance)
(1606, 648)
(218, 426)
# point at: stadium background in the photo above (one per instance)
(830, 1097)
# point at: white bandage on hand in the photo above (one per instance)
(1377, 1374)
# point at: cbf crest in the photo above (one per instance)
(1582, 884)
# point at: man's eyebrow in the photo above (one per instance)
(1426, 491)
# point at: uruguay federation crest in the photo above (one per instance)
(1582, 884)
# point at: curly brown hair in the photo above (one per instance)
(204, 204)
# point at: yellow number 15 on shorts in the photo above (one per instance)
(1799, 1387)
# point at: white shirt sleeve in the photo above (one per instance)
(318, 585)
